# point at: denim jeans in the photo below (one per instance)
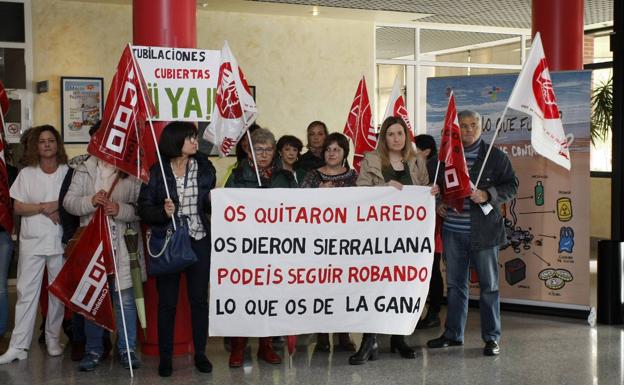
(459, 257)
(94, 333)
(6, 253)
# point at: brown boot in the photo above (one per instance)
(266, 352)
(345, 342)
(238, 351)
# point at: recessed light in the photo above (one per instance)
(315, 11)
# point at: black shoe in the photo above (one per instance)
(442, 342)
(432, 320)
(491, 348)
(165, 368)
(369, 350)
(202, 364)
(397, 343)
(322, 343)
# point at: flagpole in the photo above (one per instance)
(238, 91)
(253, 155)
(487, 155)
(435, 178)
(149, 119)
(118, 287)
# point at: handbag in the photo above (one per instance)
(170, 250)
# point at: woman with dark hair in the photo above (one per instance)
(271, 175)
(189, 178)
(289, 149)
(393, 163)
(313, 159)
(35, 193)
(335, 173)
(96, 183)
(427, 150)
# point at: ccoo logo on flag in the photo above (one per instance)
(543, 91)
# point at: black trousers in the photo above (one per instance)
(197, 277)
(436, 285)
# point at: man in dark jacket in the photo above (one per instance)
(472, 238)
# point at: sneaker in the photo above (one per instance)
(13, 354)
(89, 362)
(123, 359)
(54, 348)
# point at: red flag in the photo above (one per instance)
(456, 177)
(396, 107)
(6, 214)
(359, 126)
(119, 141)
(82, 283)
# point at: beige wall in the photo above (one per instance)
(600, 208)
(304, 68)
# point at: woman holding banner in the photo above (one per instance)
(35, 193)
(189, 178)
(269, 175)
(96, 183)
(393, 163)
(335, 173)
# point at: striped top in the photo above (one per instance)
(460, 222)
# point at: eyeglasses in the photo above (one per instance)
(263, 150)
(192, 138)
(334, 150)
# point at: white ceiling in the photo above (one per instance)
(498, 13)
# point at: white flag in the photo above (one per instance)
(396, 107)
(533, 94)
(234, 110)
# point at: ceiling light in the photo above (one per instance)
(204, 5)
(315, 11)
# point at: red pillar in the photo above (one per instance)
(560, 22)
(165, 23)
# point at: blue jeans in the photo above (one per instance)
(459, 257)
(6, 253)
(94, 333)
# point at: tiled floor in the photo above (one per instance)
(536, 350)
(539, 350)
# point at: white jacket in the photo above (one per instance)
(78, 202)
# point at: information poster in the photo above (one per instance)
(546, 259)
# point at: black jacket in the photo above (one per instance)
(309, 161)
(499, 180)
(244, 176)
(152, 196)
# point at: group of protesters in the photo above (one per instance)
(53, 197)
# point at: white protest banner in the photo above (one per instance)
(181, 82)
(295, 261)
